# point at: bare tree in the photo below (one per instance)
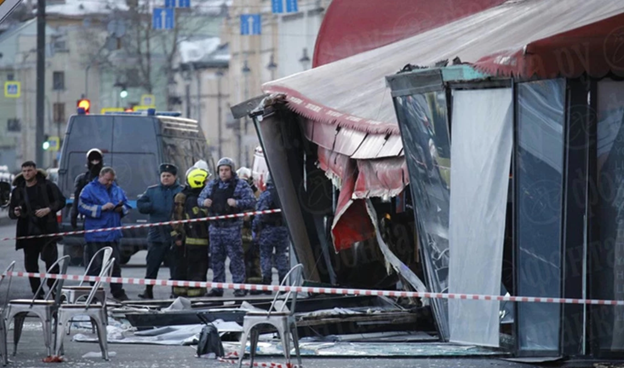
(145, 58)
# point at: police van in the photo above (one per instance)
(134, 144)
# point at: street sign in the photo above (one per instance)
(177, 3)
(6, 7)
(111, 109)
(116, 28)
(55, 143)
(163, 18)
(12, 89)
(284, 6)
(148, 100)
(251, 24)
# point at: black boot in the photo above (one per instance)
(240, 293)
(215, 293)
(148, 292)
(267, 281)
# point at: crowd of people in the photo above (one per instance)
(188, 249)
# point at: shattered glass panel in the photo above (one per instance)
(539, 160)
(607, 254)
(424, 129)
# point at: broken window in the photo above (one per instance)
(427, 151)
(540, 119)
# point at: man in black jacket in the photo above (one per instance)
(34, 203)
(95, 162)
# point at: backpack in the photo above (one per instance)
(209, 340)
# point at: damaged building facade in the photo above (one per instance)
(488, 165)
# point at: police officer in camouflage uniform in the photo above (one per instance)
(224, 195)
(272, 235)
(251, 250)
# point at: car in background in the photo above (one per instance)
(53, 175)
(134, 144)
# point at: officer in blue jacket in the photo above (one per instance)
(157, 202)
(225, 195)
(103, 204)
(272, 235)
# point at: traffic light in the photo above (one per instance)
(46, 142)
(85, 104)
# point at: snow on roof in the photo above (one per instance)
(193, 51)
(210, 6)
(84, 7)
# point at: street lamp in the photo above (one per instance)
(246, 71)
(272, 66)
(305, 60)
(123, 93)
(186, 75)
(219, 75)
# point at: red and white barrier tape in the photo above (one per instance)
(155, 224)
(256, 364)
(317, 290)
(232, 358)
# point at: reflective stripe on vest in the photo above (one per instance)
(196, 241)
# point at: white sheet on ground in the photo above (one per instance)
(168, 335)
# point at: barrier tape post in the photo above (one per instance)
(316, 290)
(127, 227)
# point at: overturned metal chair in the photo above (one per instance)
(45, 309)
(276, 316)
(3, 327)
(96, 313)
(72, 294)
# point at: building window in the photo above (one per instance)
(59, 112)
(10, 76)
(58, 81)
(13, 125)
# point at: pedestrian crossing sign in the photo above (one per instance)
(148, 100)
(12, 89)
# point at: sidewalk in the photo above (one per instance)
(4, 217)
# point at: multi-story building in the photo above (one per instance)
(284, 47)
(18, 64)
(203, 88)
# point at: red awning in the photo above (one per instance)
(350, 110)
(376, 23)
(596, 49)
(352, 93)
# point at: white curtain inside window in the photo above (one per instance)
(481, 145)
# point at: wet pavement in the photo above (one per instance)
(31, 350)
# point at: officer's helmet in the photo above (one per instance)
(196, 178)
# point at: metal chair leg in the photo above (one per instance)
(295, 336)
(47, 332)
(18, 324)
(253, 345)
(60, 333)
(243, 342)
(285, 334)
(3, 343)
(102, 337)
